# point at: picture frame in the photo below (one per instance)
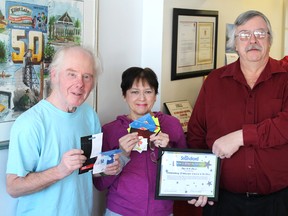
(182, 110)
(185, 174)
(194, 43)
(89, 39)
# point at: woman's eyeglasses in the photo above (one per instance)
(152, 146)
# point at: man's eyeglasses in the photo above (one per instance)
(245, 35)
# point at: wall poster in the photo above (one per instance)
(30, 33)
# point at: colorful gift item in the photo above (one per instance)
(145, 126)
(146, 122)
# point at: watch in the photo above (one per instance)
(102, 174)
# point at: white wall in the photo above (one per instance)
(119, 46)
(152, 32)
(7, 203)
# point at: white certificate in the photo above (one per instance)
(187, 174)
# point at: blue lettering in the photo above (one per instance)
(186, 157)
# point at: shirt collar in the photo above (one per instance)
(272, 67)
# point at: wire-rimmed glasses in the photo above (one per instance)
(152, 146)
(245, 35)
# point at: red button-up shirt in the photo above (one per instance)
(225, 104)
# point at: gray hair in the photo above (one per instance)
(59, 58)
(242, 19)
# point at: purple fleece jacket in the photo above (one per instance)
(132, 192)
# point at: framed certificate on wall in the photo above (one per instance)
(181, 110)
(194, 42)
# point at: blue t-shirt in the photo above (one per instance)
(39, 138)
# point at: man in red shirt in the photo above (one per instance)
(241, 114)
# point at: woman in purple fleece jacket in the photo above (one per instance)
(132, 191)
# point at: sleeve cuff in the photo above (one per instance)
(250, 136)
(124, 160)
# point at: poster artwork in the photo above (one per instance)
(30, 33)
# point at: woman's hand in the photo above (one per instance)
(127, 143)
(160, 139)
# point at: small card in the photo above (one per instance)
(141, 145)
(145, 126)
(144, 122)
(96, 160)
(104, 159)
(143, 135)
(142, 132)
(91, 145)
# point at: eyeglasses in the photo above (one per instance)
(153, 156)
(146, 93)
(245, 35)
(152, 146)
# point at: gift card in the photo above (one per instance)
(104, 159)
(96, 160)
(144, 122)
(91, 145)
(143, 135)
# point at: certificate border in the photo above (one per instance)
(195, 69)
(176, 150)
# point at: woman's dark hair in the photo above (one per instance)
(138, 74)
